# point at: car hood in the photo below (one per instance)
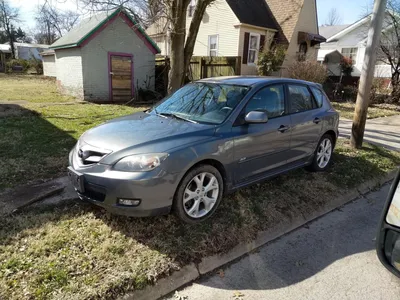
(147, 132)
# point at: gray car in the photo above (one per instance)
(207, 139)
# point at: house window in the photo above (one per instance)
(350, 52)
(213, 45)
(254, 45)
(191, 8)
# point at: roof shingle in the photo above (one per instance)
(254, 12)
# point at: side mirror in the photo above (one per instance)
(255, 116)
(388, 239)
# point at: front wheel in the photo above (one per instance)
(199, 194)
(323, 154)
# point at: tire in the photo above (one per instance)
(193, 201)
(317, 165)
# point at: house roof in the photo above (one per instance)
(349, 28)
(328, 31)
(286, 13)
(89, 26)
(254, 12)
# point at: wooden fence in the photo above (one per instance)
(200, 67)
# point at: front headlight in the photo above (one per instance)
(140, 163)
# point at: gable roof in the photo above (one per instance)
(286, 13)
(328, 31)
(254, 12)
(89, 26)
(349, 28)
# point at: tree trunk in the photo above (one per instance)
(395, 81)
(177, 12)
(193, 31)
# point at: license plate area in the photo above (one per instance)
(77, 180)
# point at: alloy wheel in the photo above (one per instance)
(201, 194)
(324, 153)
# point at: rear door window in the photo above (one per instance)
(300, 98)
(319, 96)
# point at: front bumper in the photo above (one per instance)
(103, 186)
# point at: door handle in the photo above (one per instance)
(317, 120)
(283, 128)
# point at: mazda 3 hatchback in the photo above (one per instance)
(209, 138)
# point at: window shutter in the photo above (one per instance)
(262, 42)
(246, 47)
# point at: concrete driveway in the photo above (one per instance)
(381, 131)
(331, 258)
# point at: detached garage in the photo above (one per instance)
(105, 58)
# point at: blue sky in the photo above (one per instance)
(349, 10)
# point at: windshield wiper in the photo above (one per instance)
(176, 117)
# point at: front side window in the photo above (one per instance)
(319, 96)
(300, 98)
(254, 45)
(213, 45)
(351, 53)
(270, 99)
(203, 102)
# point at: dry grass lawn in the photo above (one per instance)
(346, 110)
(30, 88)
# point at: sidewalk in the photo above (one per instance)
(331, 258)
(384, 132)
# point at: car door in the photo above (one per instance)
(388, 237)
(259, 148)
(306, 119)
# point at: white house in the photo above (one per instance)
(242, 28)
(105, 58)
(349, 41)
(25, 50)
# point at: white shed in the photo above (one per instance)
(105, 58)
(49, 63)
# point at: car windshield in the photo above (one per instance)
(202, 102)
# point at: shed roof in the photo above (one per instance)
(89, 26)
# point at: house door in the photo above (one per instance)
(121, 77)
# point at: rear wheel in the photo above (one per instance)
(323, 154)
(199, 194)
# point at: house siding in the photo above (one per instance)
(116, 37)
(306, 22)
(49, 65)
(218, 19)
(251, 69)
(355, 39)
(69, 71)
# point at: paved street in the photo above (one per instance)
(331, 258)
(382, 131)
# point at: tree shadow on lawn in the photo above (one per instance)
(31, 148)
(240, 217)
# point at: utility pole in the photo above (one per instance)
(367, 74)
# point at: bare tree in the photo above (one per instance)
(53, 23)
(9, 16)
(175, 11)
(389, 51)
(333, 17)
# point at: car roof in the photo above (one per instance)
(253, 80)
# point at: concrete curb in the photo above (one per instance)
(191, 272)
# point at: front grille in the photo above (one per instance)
(88, 155)
(94, 192)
